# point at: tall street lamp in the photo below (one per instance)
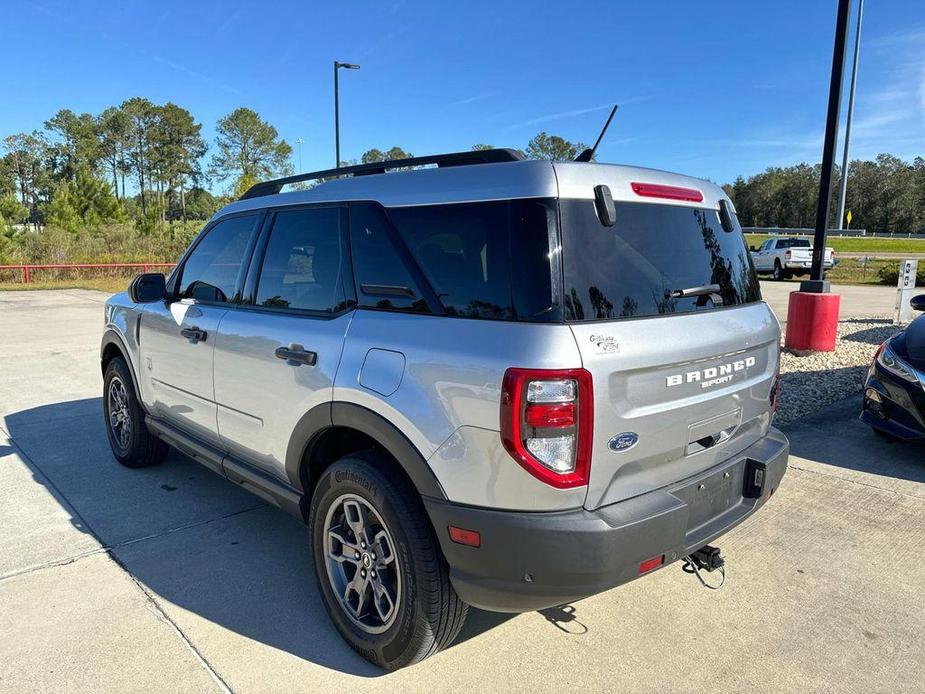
(299, 143)
(337, 66)
(854, 81)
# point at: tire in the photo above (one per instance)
(131, 442)
(425, 614)
(778, 273)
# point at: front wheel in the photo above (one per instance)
(131, 442)
(380, 571)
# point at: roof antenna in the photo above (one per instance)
(588, 154)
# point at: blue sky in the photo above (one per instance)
(711, 89)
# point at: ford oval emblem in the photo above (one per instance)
(623, 442)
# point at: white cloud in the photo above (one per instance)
(575, 112)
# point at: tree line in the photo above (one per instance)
(884, 195)
(146, 163)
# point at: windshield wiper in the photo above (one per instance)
(707, 289)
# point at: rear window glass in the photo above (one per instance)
(793, 243)
(484, 260)
(637, 267)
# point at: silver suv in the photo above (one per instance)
(480, 380)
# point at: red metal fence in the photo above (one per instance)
(27, 270)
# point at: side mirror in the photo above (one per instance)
(148, 288)
(753, 249)
(917, 302)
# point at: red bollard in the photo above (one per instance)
(812, 322)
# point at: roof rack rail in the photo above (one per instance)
(484, 156)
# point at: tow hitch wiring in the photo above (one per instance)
(707, 558)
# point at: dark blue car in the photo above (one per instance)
(894, 393)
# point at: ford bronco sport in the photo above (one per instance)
(479, 380)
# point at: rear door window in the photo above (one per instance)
(637, 267)
(302, 264)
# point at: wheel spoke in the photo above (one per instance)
(382, 545)
(358, 587)
(356, 516)
(340, 549)
(382, 600)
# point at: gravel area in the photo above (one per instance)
(816, 380)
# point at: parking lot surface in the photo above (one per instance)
(173, 579)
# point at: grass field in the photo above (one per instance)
(858, 244)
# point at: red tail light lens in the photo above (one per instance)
(547, 420)
(655, 190)
(543, 416)
(788, 255)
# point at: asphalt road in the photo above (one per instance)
(173, 579)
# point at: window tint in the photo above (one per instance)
(212, 269)
(637, 267)
(466, 253)
(302, 264)
(382, 279)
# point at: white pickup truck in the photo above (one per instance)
(788, 256)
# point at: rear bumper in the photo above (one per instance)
(806, 266)
(529, 561)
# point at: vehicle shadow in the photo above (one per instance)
(855, 446)
(201, 546)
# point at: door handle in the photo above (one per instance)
(194, 334)
(296, 354)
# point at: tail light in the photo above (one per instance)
(788, 255)
(547, 420)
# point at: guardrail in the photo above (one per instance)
(27, 270)
(781, 231)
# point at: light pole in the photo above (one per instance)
(299, 143)
(337, 66)
(843, 190)
(816, 282)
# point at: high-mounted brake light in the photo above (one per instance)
(657, 190)
(547, 420)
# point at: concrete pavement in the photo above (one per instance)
(172, 579)
(857, 300)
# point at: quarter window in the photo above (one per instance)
(383, 280)
(302, 264)
(211, 270)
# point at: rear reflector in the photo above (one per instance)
(465, 537)
(652, 563)
(655, 190)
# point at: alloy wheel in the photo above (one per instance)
(361, 563)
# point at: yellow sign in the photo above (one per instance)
(848, 216)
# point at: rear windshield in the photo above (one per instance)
(793, 243)
(636, 267)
